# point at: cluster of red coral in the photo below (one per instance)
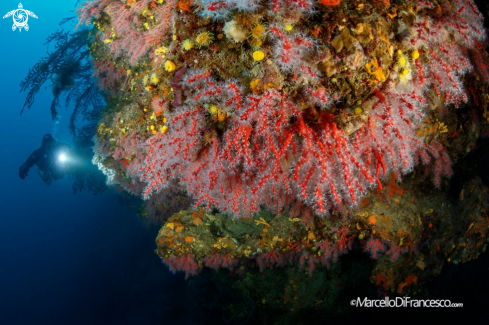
(245, 105)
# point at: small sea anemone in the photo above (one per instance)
(187, 45)
(256, 43)
(258, 32)
(161, 51)
(204, 38)
(402, 60)
(405, 75)
(164, 129)
(213, 109)
(145, 80)
(154, 79)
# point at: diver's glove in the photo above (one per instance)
(23, 171)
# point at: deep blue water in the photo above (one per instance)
(85, 259)
(65, 258)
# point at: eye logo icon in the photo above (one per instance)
(20, 17)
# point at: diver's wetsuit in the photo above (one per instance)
(46, 159)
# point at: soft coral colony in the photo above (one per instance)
(295, 105)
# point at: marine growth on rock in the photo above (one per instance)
(291, 106)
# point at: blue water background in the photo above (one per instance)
(65, 258)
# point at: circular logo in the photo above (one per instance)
(20, 18)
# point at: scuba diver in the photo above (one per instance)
(54, 159)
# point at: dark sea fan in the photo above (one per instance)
(69, 68)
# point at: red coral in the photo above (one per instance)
(127, 26)
(448, 60)
(185, 263)
(394, 251)
(271, 259)
(374, 246)
(272, 152)
(333, 250)
(217, 261)
(90, 9)
(310, 261)
(291, 53)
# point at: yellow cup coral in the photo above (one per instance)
(402, 60)
(258, 31)
(169, 66)
(415, 54)
(204, 38)
(187, 45)
(213, 109)
(154, 79)
(258, 55)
